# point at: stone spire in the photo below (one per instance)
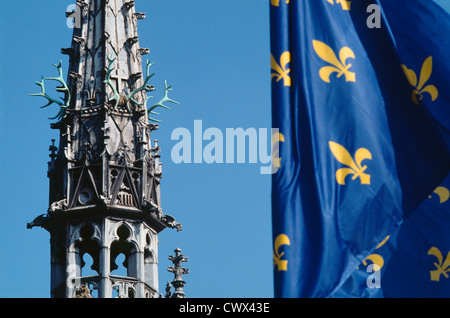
(105, 175)
(107, 29)
(106, 76)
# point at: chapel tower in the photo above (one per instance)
(105, 199)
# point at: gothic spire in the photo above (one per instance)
(104, 116)
(105, 175)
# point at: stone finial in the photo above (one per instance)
(178, 282)
(168, 290)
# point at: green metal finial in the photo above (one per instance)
(107, 81)
(60, 89)
(145, 87)
(165, 99)
(149, 88)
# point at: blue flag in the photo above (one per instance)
(360, 97)
(413, 261)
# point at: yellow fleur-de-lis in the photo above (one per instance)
(443, 193)
(276, 3)
(345, 4)
(340, 67)
(425, 74)
(281, 240)
(280, 71)
(276, 139)
(442, 268)
(376, 258)
(354, 167)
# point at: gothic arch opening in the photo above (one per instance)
(120, 265)
(88, 251)
(87, 268)
(123, 254)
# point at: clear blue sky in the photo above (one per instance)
(217, 55)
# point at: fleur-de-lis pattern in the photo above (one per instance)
(276, 3)
(442, 267)
(339, 65)
(280, 71)
(376, 259)
(419, 86)
(354, 166)
(344, 3)
(443, 193)
(281, 240)
(276, 139)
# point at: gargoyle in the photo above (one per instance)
(38, 221)
(170, 222)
